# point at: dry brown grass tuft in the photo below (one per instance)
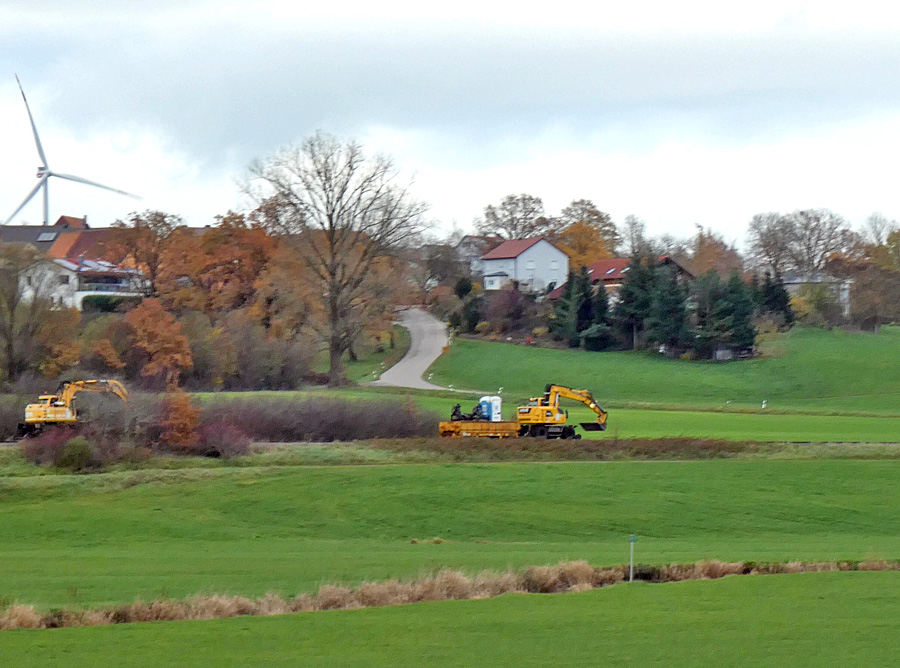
(377, 594)
(793, 567)
(876, 565)
(331, 597)
(574, 574)
(713, 569)
(540, 580)
(603, 577)
(488, 584)
(302, 603)
(20, 617)
(271, 604)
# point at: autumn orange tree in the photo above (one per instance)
(710, 252)
(155, 332)
(215, 269)
(141, 241)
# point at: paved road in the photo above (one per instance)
(428, 336)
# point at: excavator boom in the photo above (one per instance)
(554, 392)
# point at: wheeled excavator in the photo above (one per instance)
(541, 417)
(59, 408)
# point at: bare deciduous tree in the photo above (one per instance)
(343, 211)
(517, 217)
(634, 237)
(769, 242)
(876, 229)
(816, 234)
(802, 240)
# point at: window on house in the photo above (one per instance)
(63, 280)
(554, 264)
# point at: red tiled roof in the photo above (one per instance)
(88, 243)
(72, 222)
(608, 270)
(612, 270)
(511, 248)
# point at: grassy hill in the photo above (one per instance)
(805, 370)
(108, 538)
(817, 620)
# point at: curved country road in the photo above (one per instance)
(427, 338)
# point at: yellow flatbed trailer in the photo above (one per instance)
(483, 428)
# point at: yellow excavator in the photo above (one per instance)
(59, 408)
(542, 417)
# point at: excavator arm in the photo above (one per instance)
(554, 392)
(67, 390)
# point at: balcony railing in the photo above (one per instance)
(107, 287)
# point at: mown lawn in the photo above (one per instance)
(816, 620)
(100, 539)
(807, 369)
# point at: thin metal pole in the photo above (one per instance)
(631, 560)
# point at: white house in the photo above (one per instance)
(67, 283)
(839, 288)
(535, 263)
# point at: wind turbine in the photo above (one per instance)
(44, 172)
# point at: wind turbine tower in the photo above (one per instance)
(44, 172)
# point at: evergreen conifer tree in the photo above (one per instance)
(667, 322)
(633, 305)
(565, 321)
(738, 298)
(599, 335)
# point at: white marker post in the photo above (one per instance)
(631, 540)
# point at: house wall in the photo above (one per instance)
(541, 265)
(63, 288)
(535, 268)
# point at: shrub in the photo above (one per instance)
(540, 331)
(320, 419)
(483, 327)
(12, 412)
(46, 448)
(597, 337)
(180, 419)
(76, 455)
(223, 438)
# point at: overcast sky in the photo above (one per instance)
(680, 113)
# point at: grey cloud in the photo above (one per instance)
(225, 91)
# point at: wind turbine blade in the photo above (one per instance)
(78, 179)
(28, 199)
(37, 140)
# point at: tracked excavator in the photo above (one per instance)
(59, 408)
(541, 417)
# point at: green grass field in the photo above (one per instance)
(274, 522)
(816, 620)
(109, 538)
(806, 369)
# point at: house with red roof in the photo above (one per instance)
(535, 264)
(78, 264)
(611, 272)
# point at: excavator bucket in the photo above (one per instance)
(593, 426)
